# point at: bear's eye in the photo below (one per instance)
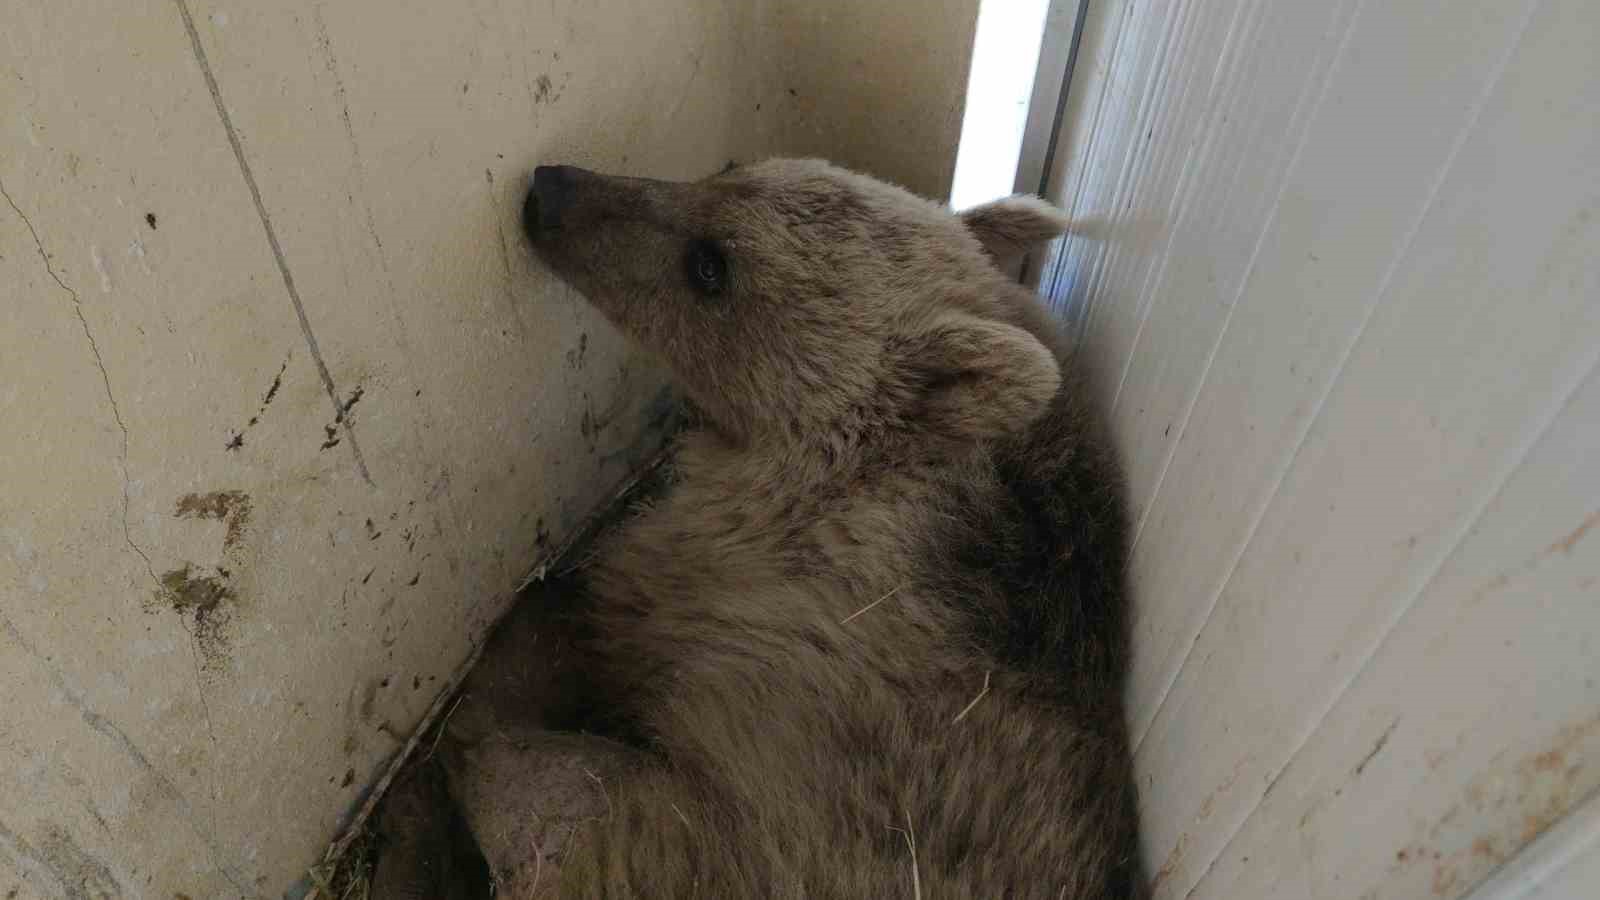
(708, 269)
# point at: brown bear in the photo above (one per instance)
(872, 640)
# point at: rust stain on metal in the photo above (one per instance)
(1174, 860)
(1210, 803)
(1566, 544)
(1514, 804)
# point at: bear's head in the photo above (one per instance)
(798, 302)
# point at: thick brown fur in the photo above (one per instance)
(873, 640)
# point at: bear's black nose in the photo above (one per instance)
(550, 198)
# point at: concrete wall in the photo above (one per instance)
(1341, 290)
(286, 412)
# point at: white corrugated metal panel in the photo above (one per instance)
(1340, 287)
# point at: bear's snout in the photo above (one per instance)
(549, 199)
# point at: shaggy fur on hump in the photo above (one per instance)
(872, 642)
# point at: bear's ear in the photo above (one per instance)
(1010, 227)
(979, 378)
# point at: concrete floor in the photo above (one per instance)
(286, 411)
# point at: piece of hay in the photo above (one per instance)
(681, 816)
(846, 619)
(347, 876)
(438, 732)
(910, 834)
(611, 812)
(963, 714)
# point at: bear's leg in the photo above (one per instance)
(524, 793)
(426, 853)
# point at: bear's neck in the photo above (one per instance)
(770, 511)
